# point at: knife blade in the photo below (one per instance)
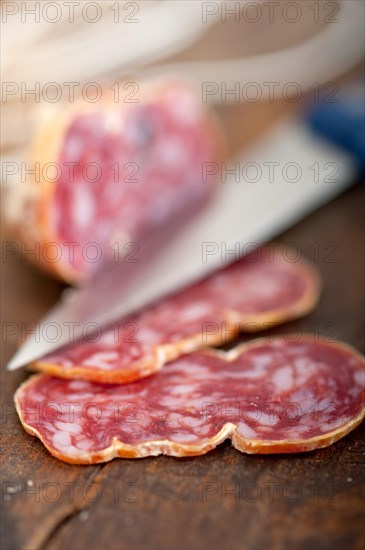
(293, 172)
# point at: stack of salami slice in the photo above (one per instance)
(161, 388)
(156, 383)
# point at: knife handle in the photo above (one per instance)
(341, 122)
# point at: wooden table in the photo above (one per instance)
(224, 500)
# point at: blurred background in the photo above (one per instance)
(270, 44)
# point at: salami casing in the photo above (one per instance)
(108, 174)
(268, 397)
(253, 294)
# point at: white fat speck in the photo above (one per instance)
(129, 428)
(170, 401)
(183, 437)
(191, 421)
(62, 439)
(283, 379)
(175, 418)
(182, 389)
(68, 427)
(253, 284)
(143, 421)
(84, 444)
(204, 429)
(295, 350)
(261, 361)
(80, 396)
(326, 405)
(147, 335)
(257, 372)
(69, 411)
(353, 392)
(329, 426)
(171, 152)
(246, 431)
(83, 206)
(359, 378)
(297, 432)
(303, 396)
(49, 427)
(37, 397)
(75, 148)
(194, 312)
(79, 385)
(304, 369)
(101, 359)
(263, 418)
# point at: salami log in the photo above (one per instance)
(268, 397)
(253, 294)
(109, 173)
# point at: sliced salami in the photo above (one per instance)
(268, 397)
(253, 294)
(110, 173)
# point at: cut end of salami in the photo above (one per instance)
(276, 396)
(254, 294)
(112, 172)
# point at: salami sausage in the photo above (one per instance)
(268, 397)
(253, 294)
(109, 173)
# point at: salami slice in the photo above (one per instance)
(109, 173)
(253, 294)
(268, 397)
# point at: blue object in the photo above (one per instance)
(342, 123)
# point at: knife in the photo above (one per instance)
(266, 189)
